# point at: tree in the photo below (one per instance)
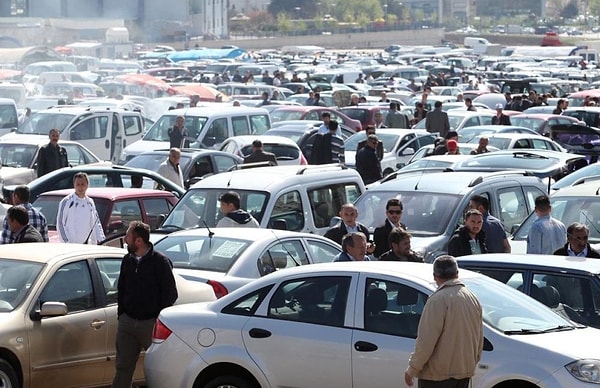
(570, 10)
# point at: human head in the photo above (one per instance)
(333, 126)
(393, 106)
(378, 117)
(174, 155)
(499, 107)
(137, 237)
(452, 146)
(354, 98)
(419, 105)
(54, 135)
(372, 141)
(445, 268)
(542, 205)
(452, 135)
(348, 214)
(474, 221)
(81, 182)
(393, 210)
(355, 244)
(236, 103)
(257, 145)
(179, 105)
(180, 121)
(229, 202)
(370, 130)
(438, 105)
(578, 235)
(468, 102)
(383, 95)
(483, 142)
(20, 195)
(17, 217)
(400, 242)
(326, 116)
(480, 202)
(265, 95)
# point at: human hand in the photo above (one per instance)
(370, 247)
(408, 379)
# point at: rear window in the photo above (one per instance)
(281, 151)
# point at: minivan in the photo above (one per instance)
(208, 127)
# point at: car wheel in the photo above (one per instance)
(8, 377)
(229, 382)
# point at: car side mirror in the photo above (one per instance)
(514, 228)
(115, 225)
(408, 151)
(49, 309)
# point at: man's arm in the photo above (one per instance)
(41, 163)
(431, 326)
(534, 240)
(506, 244)
(5, 237)
(168, 286)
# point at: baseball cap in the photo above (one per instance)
(499, 106)
(452, 144)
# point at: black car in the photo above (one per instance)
(100, 176)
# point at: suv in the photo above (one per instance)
(296, 198)
(434, 203)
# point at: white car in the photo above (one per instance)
(354, 325)
(508, 141)
(286, 150)
(460, 119)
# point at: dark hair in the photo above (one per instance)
(438, 104)
(257, 144)
(481, 200)
(231, 197)
(325, 114)
(445, 267)
(333, 125)
(19, 214)
(397, 235)
(468, 99)
(348, 240)
(22, 192)
(577, 226)
(141, 230)
(394, 202)
(542, 202)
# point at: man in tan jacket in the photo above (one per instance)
(450, 337)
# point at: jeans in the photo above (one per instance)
(450, 383)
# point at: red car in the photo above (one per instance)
(296, 112)
(117, 207)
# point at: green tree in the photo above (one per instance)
(570, 10)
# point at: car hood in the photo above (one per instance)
(429, 247)
(145, 145)
(9, 173)
(20, 136)
(562, 342)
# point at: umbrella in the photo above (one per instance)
(147, 81)
(10, 73)
(206, 93)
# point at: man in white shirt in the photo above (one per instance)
(170, 168)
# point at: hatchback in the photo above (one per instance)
(286, 150)
(507, 141)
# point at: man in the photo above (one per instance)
(482, 147)
(399, 240)
(77, 220)
(469, 104)
(393, 212)
(577, 244)
(441, 147)
(367, 162)
(51, 156)
(348, 213)
(452, 146)
(20, 197)
(354, 248)
(329, 147)
(500, 118)
(496, 239)
(170, 168)
(370, 130)
(265, 99)
(378, 118)
(233, 216)
(324, 128)
(450, 334)
(384, 97)
(547, 234)
(437, 120)
(469, 239)
(178, 134)
(354, 100)
(18, 222)
(259, 155)
(146, 285)
(395, 118)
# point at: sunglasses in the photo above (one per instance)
(395, 211)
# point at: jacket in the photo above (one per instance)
(28, 234)
(146, 286)
(171, 172)
(261, 156)
(437, 121)
(51, 158)
(238, 219)
(391, 256)
(503, 120)
(77, 220)
(591, 252)
(450, 335)
(367, 165)
(339, 231)
(381, 237)
(459, 242)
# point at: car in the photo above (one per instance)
(354, 325)
(398, 146)
(293, 112)
(116, 206)
(460, 105)
(286, 150)
(194, 163)
(507, 141)
(432, 163)
(99, 176)
(59, 314)
(427, 151)
(301, 98)
(460, 119)
(588, 173)
(434, 203)
(541, 123)
(588, 114)
(19, 159)
(466, 134)
(227, 259)
(570, 285)
(578, 138)
(296, 198)
(366, 113)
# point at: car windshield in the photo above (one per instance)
(426, 214)
(200, 208)
(513, 161)
(527, 122)
(153, 161)
(8, 116)
(281, 151)
(17, 155)
(48, 206)
(159, 131)
(41, 122)
(509, 311)
(498, 142)
(454, 120)
(202, 252)
(16, 278)
(285, 114)
(592, 172)
(466, 134)
(389, 141)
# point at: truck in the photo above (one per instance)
(104, 131)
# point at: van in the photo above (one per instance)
(15, 91)
(208, 127)
(479, 45)
(9, 120)
(296, 198)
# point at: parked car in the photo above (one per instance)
(427, 151)
(99, 175)
(585, 174)
(466, 134)
(578, 138)
(350, 322)
(541, 123)
(366, 113)
(294, 112)
(568, 285)
(431, 163)
(227, 259)
(286, 150)
(116, 207)
(507, 141)
(59, 314)
(460, 119)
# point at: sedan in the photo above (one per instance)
(227, 259)
(286, 150)
(467, 134)
(58, 304)
(313, 113)
(460, 119)
(354, 325)
(541, 123)
(507, 141)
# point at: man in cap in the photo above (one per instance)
(442, 147)
(500, 118)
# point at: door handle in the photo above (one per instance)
(259, 333)
(362, 346)
(96, 324)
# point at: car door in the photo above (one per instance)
(77, 155)
(299, 337)
(95, 133)
(69, 350)
(223, 163)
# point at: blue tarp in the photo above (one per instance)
(195, 55)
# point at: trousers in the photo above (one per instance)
(450, 383)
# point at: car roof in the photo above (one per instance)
(112, 193)
(544, 116)
(212, 109)
(253, 234)
(539, 261)
(34, 140)
(47, 252)
(268, 139)
(80, 109)
(586, 189)
(185, 151)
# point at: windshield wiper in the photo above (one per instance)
(539, 331)
(559, 328)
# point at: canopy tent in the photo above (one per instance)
(146, 80)
(24, 56)
(206, 93)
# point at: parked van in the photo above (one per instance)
(479, 45)
(208, 127)
(15, 91)
(9, 120)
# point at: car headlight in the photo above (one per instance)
(585, 370)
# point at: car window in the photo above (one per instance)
(259, 124)
(471, 122)
(288, 209)
(240, 126)
(513, 278)
(321, 252)
(216, 132)
(224, 163)
(247, 304)
(156, 210)
(392, 308)
(132, 125)
(286, 254)
(16, 278)
(91, 128)
(123, 212)
(512, 206)
(77, 155)
(72, 285)
(319, 300)
(109, 272)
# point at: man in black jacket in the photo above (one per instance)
(348, 214)
(146, 286)
(469, 239)
(381, 235)
(18, 222)
(51, 156)
(367, 163)
(577, 242)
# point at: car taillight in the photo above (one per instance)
(219, 289)
(160, 332)
(303, 160)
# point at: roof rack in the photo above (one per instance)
(496, 174)
(321, 167)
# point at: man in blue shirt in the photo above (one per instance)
(547, 234)
(496, 239)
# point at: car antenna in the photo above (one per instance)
(210, 234)
(284, 247)
(419, 180)
(590, 222)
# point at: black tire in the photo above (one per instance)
(8, 376)
(229, 381)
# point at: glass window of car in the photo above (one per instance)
(92, 128)
(224, 163)
(77, 155)
(216, 132)
(259, 124)
(321, 252)
(288, 207)
(392, 308)
(471, 122)
(284, 254)
(132, 125)
(513, 278)
(16, 278)
(17, 155)
(247, 304)
(109, 272)
(512, 204)
(72, 285)
(240, 126)
(319, 300)
(156, 210)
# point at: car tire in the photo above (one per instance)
(229, 381)
(8, 376)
